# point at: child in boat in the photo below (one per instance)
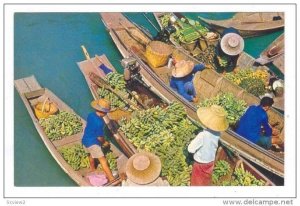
(228, 50)
(253, 120)
(205, 144)
(182, 79)
(93, 136)
(143, 169)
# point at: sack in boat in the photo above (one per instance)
(157, 53)
(44, 109)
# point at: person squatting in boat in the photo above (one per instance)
(182, 79)
(228, 50)
(254, 120)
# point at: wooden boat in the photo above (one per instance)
(30, 91)
(249, 24)
(208, 84)
(244, 60)
(92, 74)
(274, 53)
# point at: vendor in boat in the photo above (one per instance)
(254, 120)
(143, 169)
(205, 144)
(182, 79)
(228, 50)
(102, 66)
(93, 137)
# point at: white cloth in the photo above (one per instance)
(204, 146)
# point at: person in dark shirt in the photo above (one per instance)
(254, 119)
(228, 50)
(182, 79)
(93, 137)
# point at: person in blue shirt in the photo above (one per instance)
(254, 120)
(182, 79)
(204, 146)
(93, 137)
(228, 50)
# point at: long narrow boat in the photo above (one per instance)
(91, 73)
(208, 84)
(274, 53)
(249, 24)
(244, 60)
(30, 92)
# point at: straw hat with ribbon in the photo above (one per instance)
(232, 44)
(213, 118)
(143, 168)
(182, 68)
(101, 105)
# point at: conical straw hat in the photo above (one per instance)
(101, 105)
(232, 44)
(182, 68)
(143, 168)
(213, 118)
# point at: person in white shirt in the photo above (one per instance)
(205, 144)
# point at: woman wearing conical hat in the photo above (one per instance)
(93, 137)
(182, 79)
(228, 50)
(205, 144)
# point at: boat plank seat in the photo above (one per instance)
(279, 63)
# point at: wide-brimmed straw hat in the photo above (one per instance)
(232, 44)
(213, 118)
(101, 105)
(143, 168)
(182, 68)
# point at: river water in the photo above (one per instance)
(47, 45)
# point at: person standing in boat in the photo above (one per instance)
(93, 137)
(228, 50)
(205, 144)
(182, 79)
(254, 120)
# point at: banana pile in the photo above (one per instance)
(60, 125)
(116, 81)
(75, 156)
(112, 161)
(254, 82)
(234, 107)
(222, 168)
(166, 133)
(164, 20)
(243, 177)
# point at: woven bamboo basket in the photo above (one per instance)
(157, 53)
(45, 109)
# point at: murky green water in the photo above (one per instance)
(47, 45)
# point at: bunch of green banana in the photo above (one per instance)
(116, 80)
(115, 101)
(60, 125)
(223, 61)
(75, 156)
(243, 177)
(112, 161)
(165, 132)
(234, 107)
(222, 168)
(207, 56)
(164, 20)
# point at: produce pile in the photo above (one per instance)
(76, 156)
(112, 161)
(166, 133)
(116, 81)
(234, 107)
(207, 56)
(240, 176)
(164, 19)
(60, 125)
(222, 168)
(254, 82)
